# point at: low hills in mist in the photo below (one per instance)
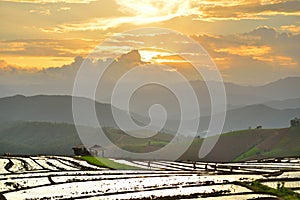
(59, 109)
(49, 109)
(31, 138)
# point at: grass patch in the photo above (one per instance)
(237, 132)
(282, 192)
(251, 152)
(136, 148)
(105, 162)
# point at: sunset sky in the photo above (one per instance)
(251, 41)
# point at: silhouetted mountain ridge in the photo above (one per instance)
(51, 108)
(58, 109)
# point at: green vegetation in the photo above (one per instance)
(141, 147)
(281, 192)
(30, 138)
(117, 136)
(252, 152)
(137, 145)
(238, 132)
(104, 162)
(20, 138)
(40, 138)
(272, 143)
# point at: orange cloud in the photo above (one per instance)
(51, 1)
(42, 12)
(260, 53)
(222, 63)
(40, 62)
(252, 51)
(5, 67)
(279, 60)
(44, 53)
(291, 28)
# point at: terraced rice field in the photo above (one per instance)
(60, 177)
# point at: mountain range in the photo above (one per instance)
(44, 108)
(285, 90)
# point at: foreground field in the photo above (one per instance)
(60, 177)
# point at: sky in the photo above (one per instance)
(252, 42)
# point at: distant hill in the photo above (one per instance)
(49, 108)
(281, 89)
(278, 90)
(251, 144)
(39, 138)
(284, 104)
(245, 117)
(237, 95)
(31, 138)
(286, 88)
(255, 115)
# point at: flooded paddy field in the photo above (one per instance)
(61, 177)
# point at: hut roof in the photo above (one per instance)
(79, 147)
(98, 147)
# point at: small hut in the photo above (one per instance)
(97, 150)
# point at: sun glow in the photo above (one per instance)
(159, 56)
(152, 55)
